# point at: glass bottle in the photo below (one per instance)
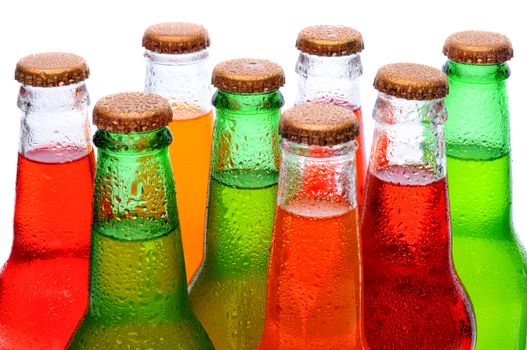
(138, 289)
(228, 293)
(329, 67)
(413, 298)
(314, 296)
(176, 69)
(44, 284)
(490, 260)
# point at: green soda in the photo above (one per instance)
(228, 294)
(138, 294)
(487, 255)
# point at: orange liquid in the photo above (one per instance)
(190, 158)
(314, 293)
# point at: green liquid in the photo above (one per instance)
(487, 256)
(137, 298)
(228, 295)
(138, 289)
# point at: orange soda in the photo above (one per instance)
(190, 158)
(176, 69)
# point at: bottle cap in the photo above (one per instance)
(319, 124)
(51, 69)
(176, 38)
(411, 81)
(131, 112)
(329, 40)
(246, 76)
(478, 47)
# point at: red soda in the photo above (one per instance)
(360, 154)
(43, 286)
(413, 298)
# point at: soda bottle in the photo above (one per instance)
(176, 69)
(44, 284)
(413, 298)
(228, 293)
(487, 254)
(329, 67)
(314, 296)
(138, 289)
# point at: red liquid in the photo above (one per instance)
(413, 298)
(360, 153)
(44, 284)
(314, 279)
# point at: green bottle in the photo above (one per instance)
(138, 289)
(229, 291)
(487, 254)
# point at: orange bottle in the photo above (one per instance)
(176, 57)
(314, 294)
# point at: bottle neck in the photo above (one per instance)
(134, 187)
(409, 134)
(55, 124)
(313, 177)
(478, 113)
(333, 79)
(244, 177)
(405, 219)
(137, 270)
(245, 148)
(184, 80)
(478, 147)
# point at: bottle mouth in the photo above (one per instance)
(342, 150)
(176, 59)
(329, 67)
(248, 104)
(57, 99)
(392, 110)
(477, 73)
(134, 143)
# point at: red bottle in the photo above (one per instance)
(329, 67)
(44, 284)
(413, 297)
(314, 296)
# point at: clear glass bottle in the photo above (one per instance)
(487, 254)
(44, 284)
(329, 67)
(314, 298)
(138, 289)
(228, 293)
(413, 298)
(177, 69)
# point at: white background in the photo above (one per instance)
(108, 35)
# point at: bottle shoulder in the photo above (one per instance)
(135, 143)
(476, 74)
